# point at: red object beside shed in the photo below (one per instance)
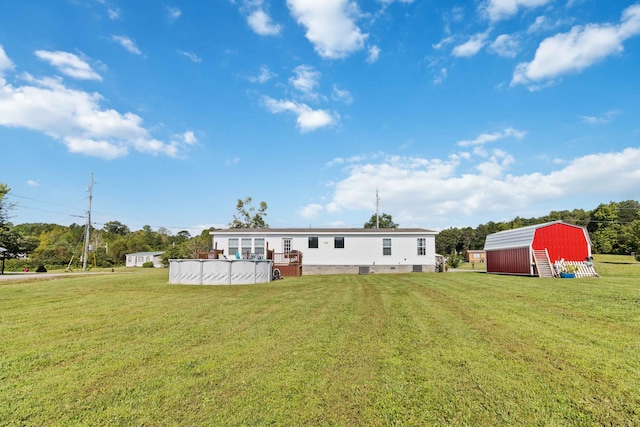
(512, 251)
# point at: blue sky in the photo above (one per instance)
(457, 113)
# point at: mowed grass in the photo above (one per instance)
(371, 350)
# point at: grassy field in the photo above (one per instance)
(413, 349)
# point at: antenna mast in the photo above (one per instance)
(87, 229)
(377, 205)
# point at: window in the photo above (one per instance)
(338, 242)
(258, 246)
(233, 246)
(286, 245)
(386, 246)
(313, 242)
(246, 247)
(422, 246)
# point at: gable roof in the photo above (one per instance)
(146, 253)
(520, 237)
(324, 231)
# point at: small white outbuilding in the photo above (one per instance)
(139, 258)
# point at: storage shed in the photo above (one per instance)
(532, 250)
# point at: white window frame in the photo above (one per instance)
(234, 246)
(386, 246)
(245, 247)
(422, 246)
(259, 245)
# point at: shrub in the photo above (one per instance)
(18, 264)
(148, 264)
(454, 260)
(41, 269)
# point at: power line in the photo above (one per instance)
(21, 206)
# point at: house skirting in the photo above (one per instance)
(365, 269)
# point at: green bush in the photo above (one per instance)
(454, 260)
(148, 264)
(18, 264)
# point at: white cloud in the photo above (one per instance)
(173, 13)
(471, 46)
(444, 42)
(69, 64)
(330, 25)
(306, 80)
(440, 192)
(310, 211)
(540, 23)
(5, 62)
(192, 56)
(258, 19)
(577, 49)
(505, 45)
(113, 14)
(232, 161)
(127, 43)
(262, 24)
(485, 138)
(308, 119)
(188, 138)
(603, 119)
(77, 119)
(32, 183)
(341, 95)
(374, 54)
(503, 9)
(440, 76)
(264, 76)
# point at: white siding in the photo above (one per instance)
(360, 248)
(139, 258)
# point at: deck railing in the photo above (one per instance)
(287, 258)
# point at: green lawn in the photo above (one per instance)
(412, 349)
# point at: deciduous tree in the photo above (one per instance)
(247, 215)
(383, 221)
(14, 243)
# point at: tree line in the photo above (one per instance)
(614, 228)
(58, 246)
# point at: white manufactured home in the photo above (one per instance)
(334, 250)
(139, 258)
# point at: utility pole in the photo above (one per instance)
(87, 230)
(377, 205)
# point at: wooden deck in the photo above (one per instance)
(288, 264)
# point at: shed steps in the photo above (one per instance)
(543, 265)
